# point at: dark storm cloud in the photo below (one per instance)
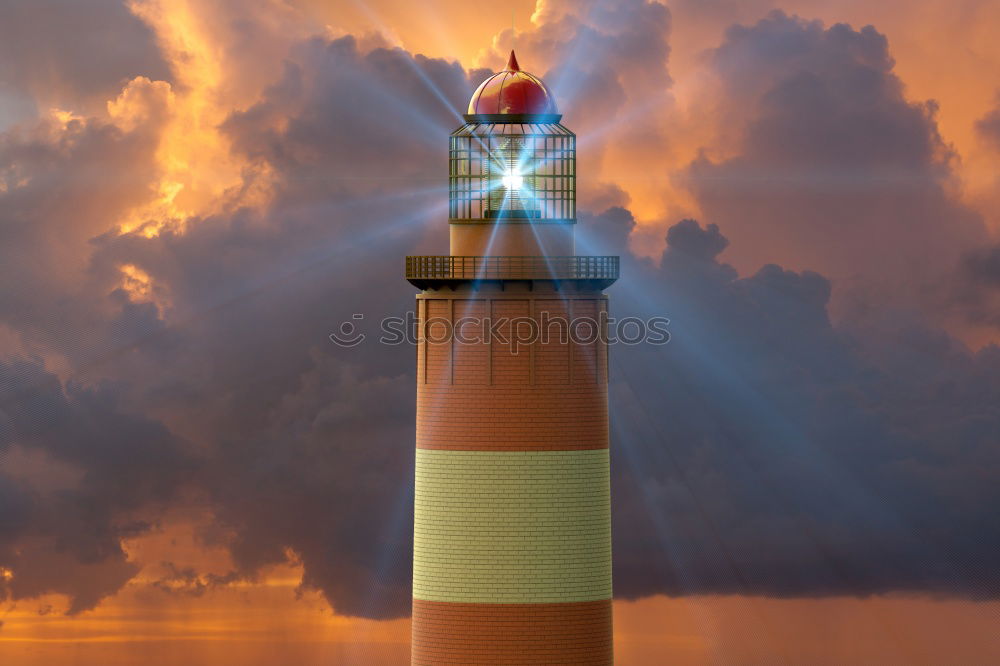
(763, 450)
(984, 266)
(989, 127)
(68, 539)
(66, 52)
(835, 170)
(977, 287)
(79, 465)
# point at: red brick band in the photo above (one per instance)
(494, 418)
(447, 633)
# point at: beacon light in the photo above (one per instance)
(512, 179)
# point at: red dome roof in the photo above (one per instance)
(512, 91)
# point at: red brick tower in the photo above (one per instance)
(512, 525)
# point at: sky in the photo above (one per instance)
(195, 194)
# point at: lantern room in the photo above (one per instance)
(512, 163)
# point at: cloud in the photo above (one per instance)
(65, 182)
(72, 55)
(832, 169)
(766, 451)
(984, 265)
(977, 288)
(989, 128)
(67, 540)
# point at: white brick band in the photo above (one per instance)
(512, 527)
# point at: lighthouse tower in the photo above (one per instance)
(512, 524)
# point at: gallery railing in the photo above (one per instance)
(512, 268)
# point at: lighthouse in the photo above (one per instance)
(512, 515)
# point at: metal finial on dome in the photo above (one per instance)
(512, 65)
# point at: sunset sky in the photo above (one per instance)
(195, 193)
